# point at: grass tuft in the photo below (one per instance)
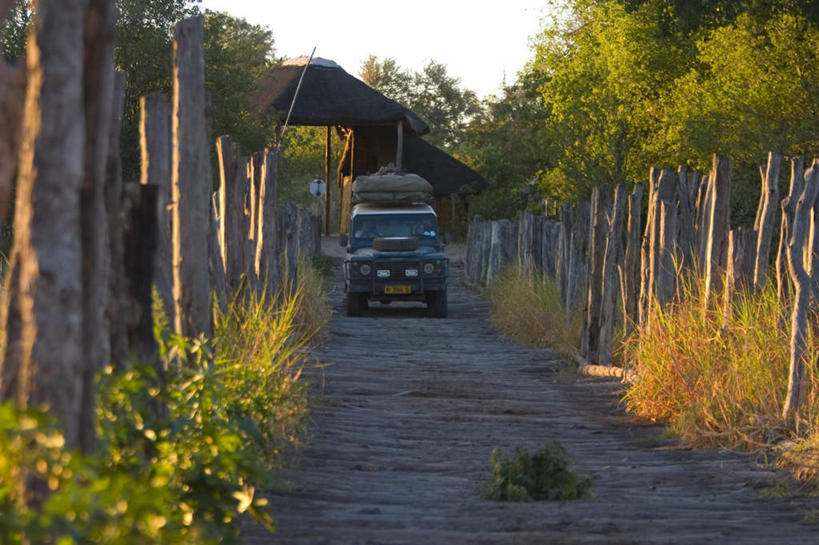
(526, 307)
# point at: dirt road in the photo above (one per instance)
(411, 407)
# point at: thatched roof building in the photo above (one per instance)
(377, 130)
(330, 96)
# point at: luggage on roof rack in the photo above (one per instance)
(391, 188)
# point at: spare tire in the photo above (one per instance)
(395, 244)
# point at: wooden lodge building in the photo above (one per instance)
(376, 130)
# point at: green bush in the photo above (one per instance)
(545, 475)
(179, 461)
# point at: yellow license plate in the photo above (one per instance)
(398, 290)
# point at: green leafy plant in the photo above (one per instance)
(546, 475)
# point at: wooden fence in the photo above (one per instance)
(617, 272)
(88, 248)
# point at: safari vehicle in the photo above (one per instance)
(394, 253)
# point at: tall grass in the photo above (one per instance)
(719, 380)
(526, 307)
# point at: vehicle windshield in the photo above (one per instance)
(367, 227)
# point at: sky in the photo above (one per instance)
(480, 45)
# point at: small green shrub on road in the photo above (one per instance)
(545, 475)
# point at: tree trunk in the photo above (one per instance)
(801, 280)
(155, 140)
(98, 76)
(768, 205)
(191, 183)
(47, 234)
(718, 227)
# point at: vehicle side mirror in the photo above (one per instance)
(342, 240)
(446, 238)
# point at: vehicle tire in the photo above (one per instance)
(437, 304)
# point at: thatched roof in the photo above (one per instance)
(330, 96)
(446, 173)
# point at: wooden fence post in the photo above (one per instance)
(550, 234)
(702, 216)
(718, 227)
(768, 205)
(788, 209)
(685, 221)
(231, 211)
(563, 251)
(191, 183)
(140, 242)
(155, 143)
(578, 270)
(267, 249)
(802, 292)
(661, 269)
(647, 248)
(630, 272)
(600, 210)
(740, 265)
(612, 263)
(216, 267)
(98, 75)
(47, 232)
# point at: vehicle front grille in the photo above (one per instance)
(397, 268)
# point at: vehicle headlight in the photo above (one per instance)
(429, 267)
(364, 269)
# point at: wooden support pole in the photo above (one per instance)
(647, 248)
(802, 290)
(718, 227)
(768, 206)
(191, 183)
(328, 153)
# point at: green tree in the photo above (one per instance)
(237, 54)
(13, 31)
(433, 94)
(144, 53)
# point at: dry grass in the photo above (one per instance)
(720, 381)
(526, 307)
